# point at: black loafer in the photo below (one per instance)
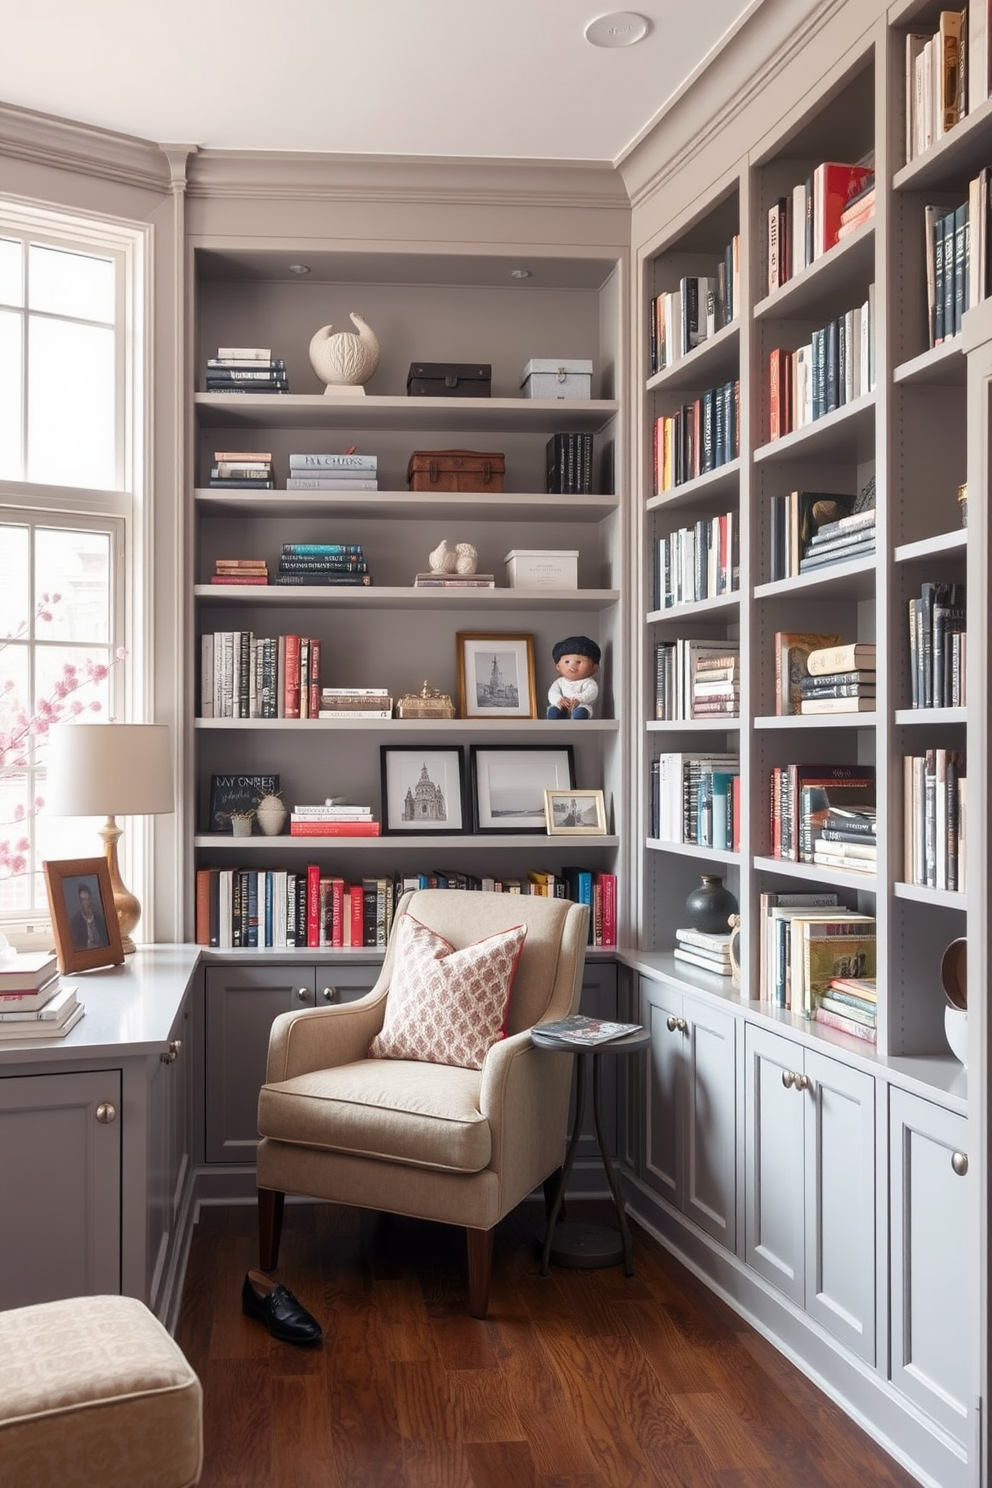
(278, 1309)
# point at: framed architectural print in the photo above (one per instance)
(571, 813)
(508, 784)
(423, 789)
(84, 918)
(496, 676)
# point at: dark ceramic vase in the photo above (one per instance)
(709, 907)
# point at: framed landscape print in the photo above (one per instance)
(423, 789)
(575, 812)
(508, 784)
(84, 917)
(496, 676)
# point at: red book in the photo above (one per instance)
(239, 579)
(777, 374)
(203, 906)
(609, 883)
(313, 905)
(356, 901)
(314, 699)
(337, 911)
(291, 682)
(334, 829)
(834, 185)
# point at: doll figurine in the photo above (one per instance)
(572, 695)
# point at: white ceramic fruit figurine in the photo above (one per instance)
(271, 815)
(345, 361)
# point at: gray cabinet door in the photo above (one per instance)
(774, 1144)
(60, 1174)
(168, 1151)
(709, 1189)
(932, 1299)
(661, 1005)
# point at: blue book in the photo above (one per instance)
(579, 884)
(268, 908)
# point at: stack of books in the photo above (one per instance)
(240, 571)
(246, 369)
(347, 472)
(794, 520)
(840, 679)
(801, 795)
(858, 210)
(34, 1004)
(323, 563)
(697, 679)
(708, 952)
(454, 581)
(848, 537)
(333, 818)
(934, 819)
(355, 702)
(569, 464)
(849, 1004)
(827, 206)
(843, 836)
(938, 646)
(242, 470)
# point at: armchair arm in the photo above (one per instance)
(524, 1097)
(320, 1038)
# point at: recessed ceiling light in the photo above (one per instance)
(520, 273)
(621, 29)
(299, 268)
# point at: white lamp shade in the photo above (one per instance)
(108, 769)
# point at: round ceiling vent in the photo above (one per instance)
(621, 29)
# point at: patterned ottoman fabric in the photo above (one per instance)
(95, 1394)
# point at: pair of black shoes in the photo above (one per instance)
(278, 1309)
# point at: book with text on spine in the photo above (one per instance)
(311, 828)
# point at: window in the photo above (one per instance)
(69, 453)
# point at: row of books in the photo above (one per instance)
(938, 646)
(699, 437)
(322, 563)
(568, 464)
(34, 1002)
(808, 799)
(329, 472)
(697, 679)
(240, 571)
(819, 655)
(698, 562)
(811, 948)
(934, 812)
(696, 798)
(243, 675)
(948, 269)
(799, 516)
(835, 367)
(681, 319)
(282, 909)
(242, 470)
(246, 369)
(819, 211)
(937, 67)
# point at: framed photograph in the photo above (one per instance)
(509, 784)
(84, 919)
(496, 676)
(571, 813)
(423, 789)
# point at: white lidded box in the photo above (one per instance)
(528, 568)
(564, 377)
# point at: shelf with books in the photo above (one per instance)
(713, 361)
(537, 844)
(419, 728)
(701, 490)
(692, 725)
(465, 415)
(854, 580)
(693, 850)
(846, 434)
(952, 159)
(823, 286)
(859, 720)
(818, 873)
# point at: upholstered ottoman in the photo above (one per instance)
(95, 1394)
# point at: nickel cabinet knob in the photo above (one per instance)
(959, 1162)
(106, 1112)
(329, 994)
(303, 994)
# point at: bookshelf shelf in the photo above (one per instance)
(815, 290)
(817, 873)
(714, 361)
(693, 725)
(421, 842)
(929, 717)
(954, 159)
(691, 850)
(464, 415)
(853, 580)
(930, 547)
(721, 605)
(703, 491)
(848, 433)
(804, 722)
(419, 728)
(306, 596)
(940, 366)
(530, 505)
(920, 894)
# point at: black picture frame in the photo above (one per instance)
(237, 795)
(517, 775)
(412, 777)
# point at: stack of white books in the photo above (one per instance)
(34, 1002)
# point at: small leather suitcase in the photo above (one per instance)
(449, 380)
(455, 470)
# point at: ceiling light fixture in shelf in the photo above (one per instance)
(621, 29)
(299, 268)
(520, 273)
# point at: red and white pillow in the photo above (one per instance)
(447, 1006)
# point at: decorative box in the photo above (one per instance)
(456, 470)
(527, 568)
(449, 380)
(427, 703)
(546, 377)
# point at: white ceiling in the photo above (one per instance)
(502, 78)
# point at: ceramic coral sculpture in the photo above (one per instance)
(345, 360)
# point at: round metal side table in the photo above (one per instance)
(574, 1242)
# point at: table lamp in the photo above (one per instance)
(110, 769)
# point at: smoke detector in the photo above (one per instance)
(621, 29)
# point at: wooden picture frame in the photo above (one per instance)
(496, 675)
(415, 779)
(509, 783)
(575, 813)
(84, 916)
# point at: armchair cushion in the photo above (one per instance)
(447, 1006)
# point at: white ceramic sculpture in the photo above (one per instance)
(466, 558)
(443, 559)
(345, 361)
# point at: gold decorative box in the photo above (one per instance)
(427, 703)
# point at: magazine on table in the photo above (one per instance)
(578, 1029)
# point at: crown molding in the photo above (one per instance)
(768, 38)
(63, 144)
(405, 179)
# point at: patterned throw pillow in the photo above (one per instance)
(447, 1006)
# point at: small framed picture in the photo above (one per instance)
(496, 676)
(84, 919)
(572, 813)
(423, 789)
(509, 784)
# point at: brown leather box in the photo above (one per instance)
(449, 380)
(455, 470)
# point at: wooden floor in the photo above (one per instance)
(583, 1379)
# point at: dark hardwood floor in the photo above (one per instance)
(583, 1379)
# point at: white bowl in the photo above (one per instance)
(956, 1029)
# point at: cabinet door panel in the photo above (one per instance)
(710, 1187)
(932, 1303)
(840, 1183)
(663, 1167)
(60, 1174)
(774, 1211)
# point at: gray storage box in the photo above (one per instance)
(567, 377)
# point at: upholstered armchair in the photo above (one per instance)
(406, 1134)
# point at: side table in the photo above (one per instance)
(575, 1243)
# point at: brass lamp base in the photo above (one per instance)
(127, 906)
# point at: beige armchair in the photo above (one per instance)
(435, 1141)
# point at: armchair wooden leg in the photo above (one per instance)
(480, 1264)
(270, 1207)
